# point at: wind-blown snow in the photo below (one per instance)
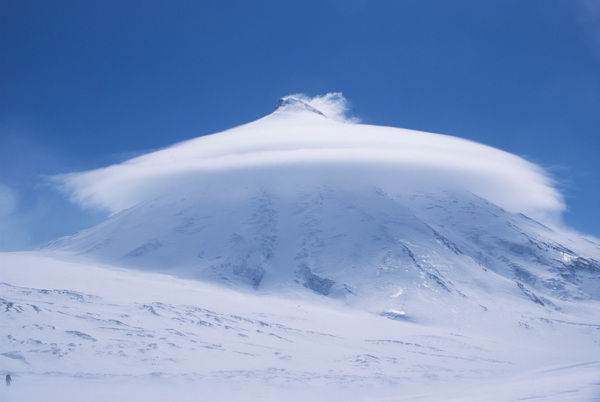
(293, 146)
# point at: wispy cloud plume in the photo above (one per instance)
(12, 233)
(590, 17)
(333, 105)
(8, 200)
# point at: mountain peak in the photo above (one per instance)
(291, 103)
(333, 106)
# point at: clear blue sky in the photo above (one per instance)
(88, 83)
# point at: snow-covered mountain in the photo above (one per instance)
(365, 244)
(310, 257)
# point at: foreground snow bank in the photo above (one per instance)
(558, 384)
(78, 331)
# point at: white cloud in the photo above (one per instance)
(291, 150)
(590, 18)
(8, 200)
(12, 233)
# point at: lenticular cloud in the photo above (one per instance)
(311, 141)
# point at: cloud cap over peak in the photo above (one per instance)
(284, 150)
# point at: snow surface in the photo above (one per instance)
(301, 257)
(74, 331)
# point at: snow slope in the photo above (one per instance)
(304, 257)
(75, 331)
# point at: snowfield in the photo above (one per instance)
(126, 334)
(306, 257)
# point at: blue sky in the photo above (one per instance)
(87, 83)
